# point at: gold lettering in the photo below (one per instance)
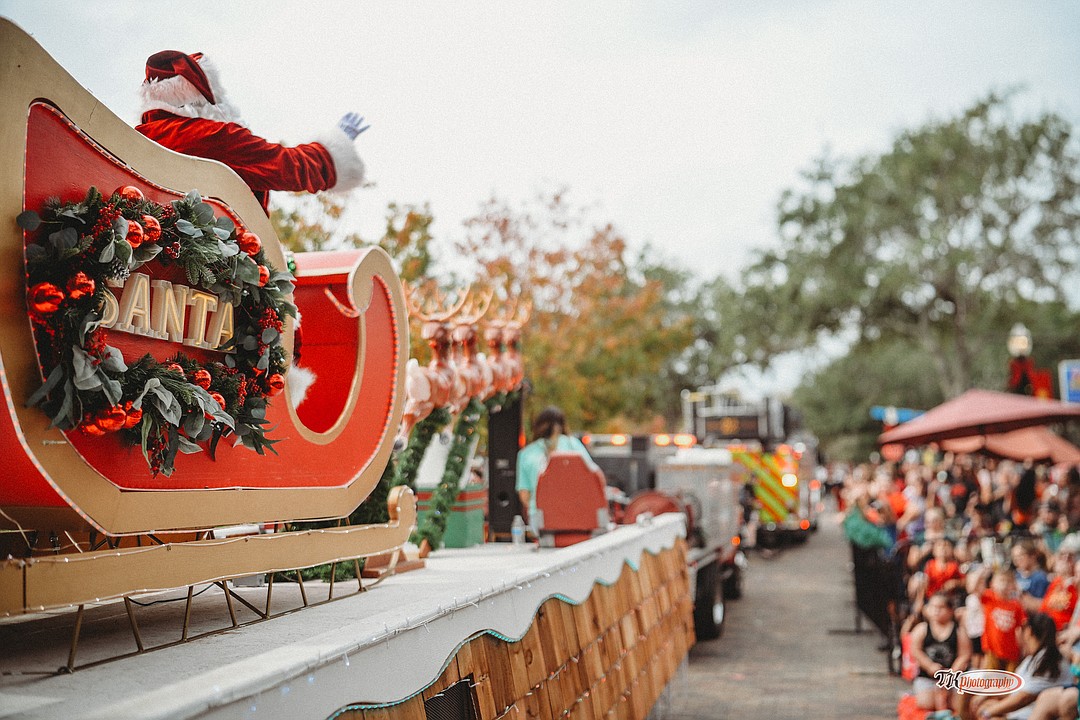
(134, 315)
(110, 310)
(201, 304)
(170, 310)
(221, 326)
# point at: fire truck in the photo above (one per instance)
(776, 456)
(661, 472)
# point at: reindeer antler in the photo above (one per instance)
(434, 307)
(477, 310)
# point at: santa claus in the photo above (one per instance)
(185, 109)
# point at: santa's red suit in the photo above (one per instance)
(185, 109)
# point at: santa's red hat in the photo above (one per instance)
(173, 63)
(185, 84)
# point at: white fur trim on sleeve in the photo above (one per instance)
(347, 163)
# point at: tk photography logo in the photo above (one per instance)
(979, 682)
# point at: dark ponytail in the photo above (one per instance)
(1044, 630)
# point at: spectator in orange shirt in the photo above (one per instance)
(1004, 615)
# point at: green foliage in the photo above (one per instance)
(937, 242)
(433, 525)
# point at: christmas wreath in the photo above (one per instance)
(171, 406)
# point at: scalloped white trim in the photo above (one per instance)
(403, 632)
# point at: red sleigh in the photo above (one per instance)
(56, 140)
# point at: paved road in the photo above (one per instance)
(788, 650)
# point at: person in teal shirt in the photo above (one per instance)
(549, 435)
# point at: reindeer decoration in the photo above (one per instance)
(511, 340)
(432, 386)
(472, 366)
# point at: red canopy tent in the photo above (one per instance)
(979, 412)
(1033, 443)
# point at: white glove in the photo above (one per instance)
(352, 125)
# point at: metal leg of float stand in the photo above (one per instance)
(74, 640)
(300, 582)
(187, 612)
(269, 593)
(359, 579)
(134, 625)
(333, 573)
(245, 603)
(228, 599)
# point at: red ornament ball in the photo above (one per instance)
(249, 242)
(202, 379)
(175, 367)
(45, 299)
(275, 384)
(112, 419)
(90, 426)
(151, 228)
(130, 192)
(134, 415)
(264, 275)
(80, 285)
(219, 399)
(135, 234)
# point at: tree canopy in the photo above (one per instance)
(937, 241)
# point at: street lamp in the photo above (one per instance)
(1021, 367)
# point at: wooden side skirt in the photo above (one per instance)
(74, 579)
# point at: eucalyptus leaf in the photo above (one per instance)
(167, 404)
(204, 214)
(120, 227)
(185, 227)
(35, 253)
(108, 253)
(269, 335)
(193, 423)
(112, 389)
(28, 220)
(114, 360)
(51, 382)
(193, 197)
(86, 376)
(264, 361)
(64, 239)
(123, 251)
(225, 223)
(247, 270)
(249, 343)
(230, 361)
(186, 446)
(229, 249)
(146, 252)
(63, 417)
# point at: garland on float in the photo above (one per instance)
(164, 407)
(433, 526)
(408, 463)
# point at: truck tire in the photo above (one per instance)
(708, 604)
(733, 584)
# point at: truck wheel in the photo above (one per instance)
(708, 604)
(733, 584)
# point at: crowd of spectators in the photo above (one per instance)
(982, 570)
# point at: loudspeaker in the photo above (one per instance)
(504, 436)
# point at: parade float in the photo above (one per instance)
(155, 459)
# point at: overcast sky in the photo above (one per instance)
(681, 122)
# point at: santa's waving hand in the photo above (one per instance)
(185, 109)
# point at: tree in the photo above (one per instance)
(314, 222)
(605, 326)
(937, 242)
